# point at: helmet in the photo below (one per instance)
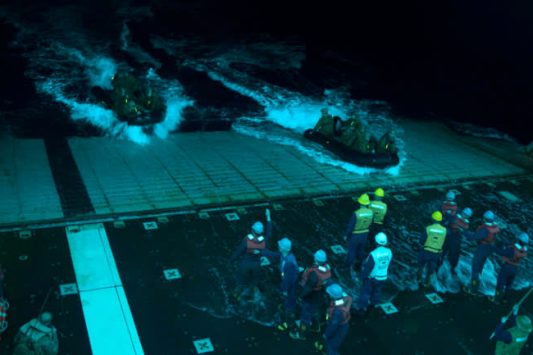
(467, 212)
(450, 196)
(257, 228)
(334, 290)
(488, 216)
(45, 318)
(320, 256)
(379, 192)
(364, 199)
(437, 216)
(524, 323)
(284, 244)
(381, 238)
(524, 238)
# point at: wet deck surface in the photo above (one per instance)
(112, 177)
(171, 314)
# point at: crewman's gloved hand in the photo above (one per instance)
(267, 214)
(515, 309)
(503, 319)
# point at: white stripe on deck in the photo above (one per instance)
(105, 307)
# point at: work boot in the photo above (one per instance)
(319, 346)
(299, 333)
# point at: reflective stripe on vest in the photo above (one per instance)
(449, 207)
(436, 234)
(323, 274)
(518, 255)
(379, 208)
(382, 257)
(344, 305)
(363, 220)
(492, 229)
(515, 346)
(254, 245)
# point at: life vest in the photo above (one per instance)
(459, 224)
(379, 209)
(35, 332)
(363, 220)
(493, 230)
(518, 254)
(436, 235)
(449, 207)
(4, 305)
(382, 257)
(323, 273)
(344, 305)
(254, 245)
(519, 339)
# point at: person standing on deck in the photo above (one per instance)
(357, 231)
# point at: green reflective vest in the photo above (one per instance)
(436, 234)
(519, 339)
(363, 220)
(379, 208)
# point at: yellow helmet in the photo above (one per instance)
(364, 199)
(437, 216)
(379, 192)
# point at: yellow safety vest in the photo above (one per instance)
(363, 220)
(436, 234)
(379, 208)
(514, 348)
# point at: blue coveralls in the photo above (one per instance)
(481, 254)
(335, 332)
(357, 243)
(312, 299)
(249, 268)
(452, 246)
(371, 287)
(508, 270)
(289, 278)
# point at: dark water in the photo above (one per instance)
(446, 61)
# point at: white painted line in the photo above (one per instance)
(106, 310)
(509, 196)
(203, 346)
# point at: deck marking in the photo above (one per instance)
(434, 298)
(68, 289)
(388, 308)
(203, 346)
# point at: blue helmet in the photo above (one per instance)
(488, 216)
(284, 244)
(258, 228)
(523, 238)
(466, 212)
(320, 256)
(335, 291)
(450, 196)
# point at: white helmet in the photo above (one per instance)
(381, 238)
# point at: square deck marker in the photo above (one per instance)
(388, 308)
(162, 219)
(509, 196)
(265, 261)
(203, 346)
(232, 216)
(172, 274)
(25, 234)
(68, 289)
(434, 298)
(318, 202)
(456, 192)
(400, 198)
(338, 249)
(277, 206)
(150, 225)
(241, 210)
(119, 224)
(203, 215)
